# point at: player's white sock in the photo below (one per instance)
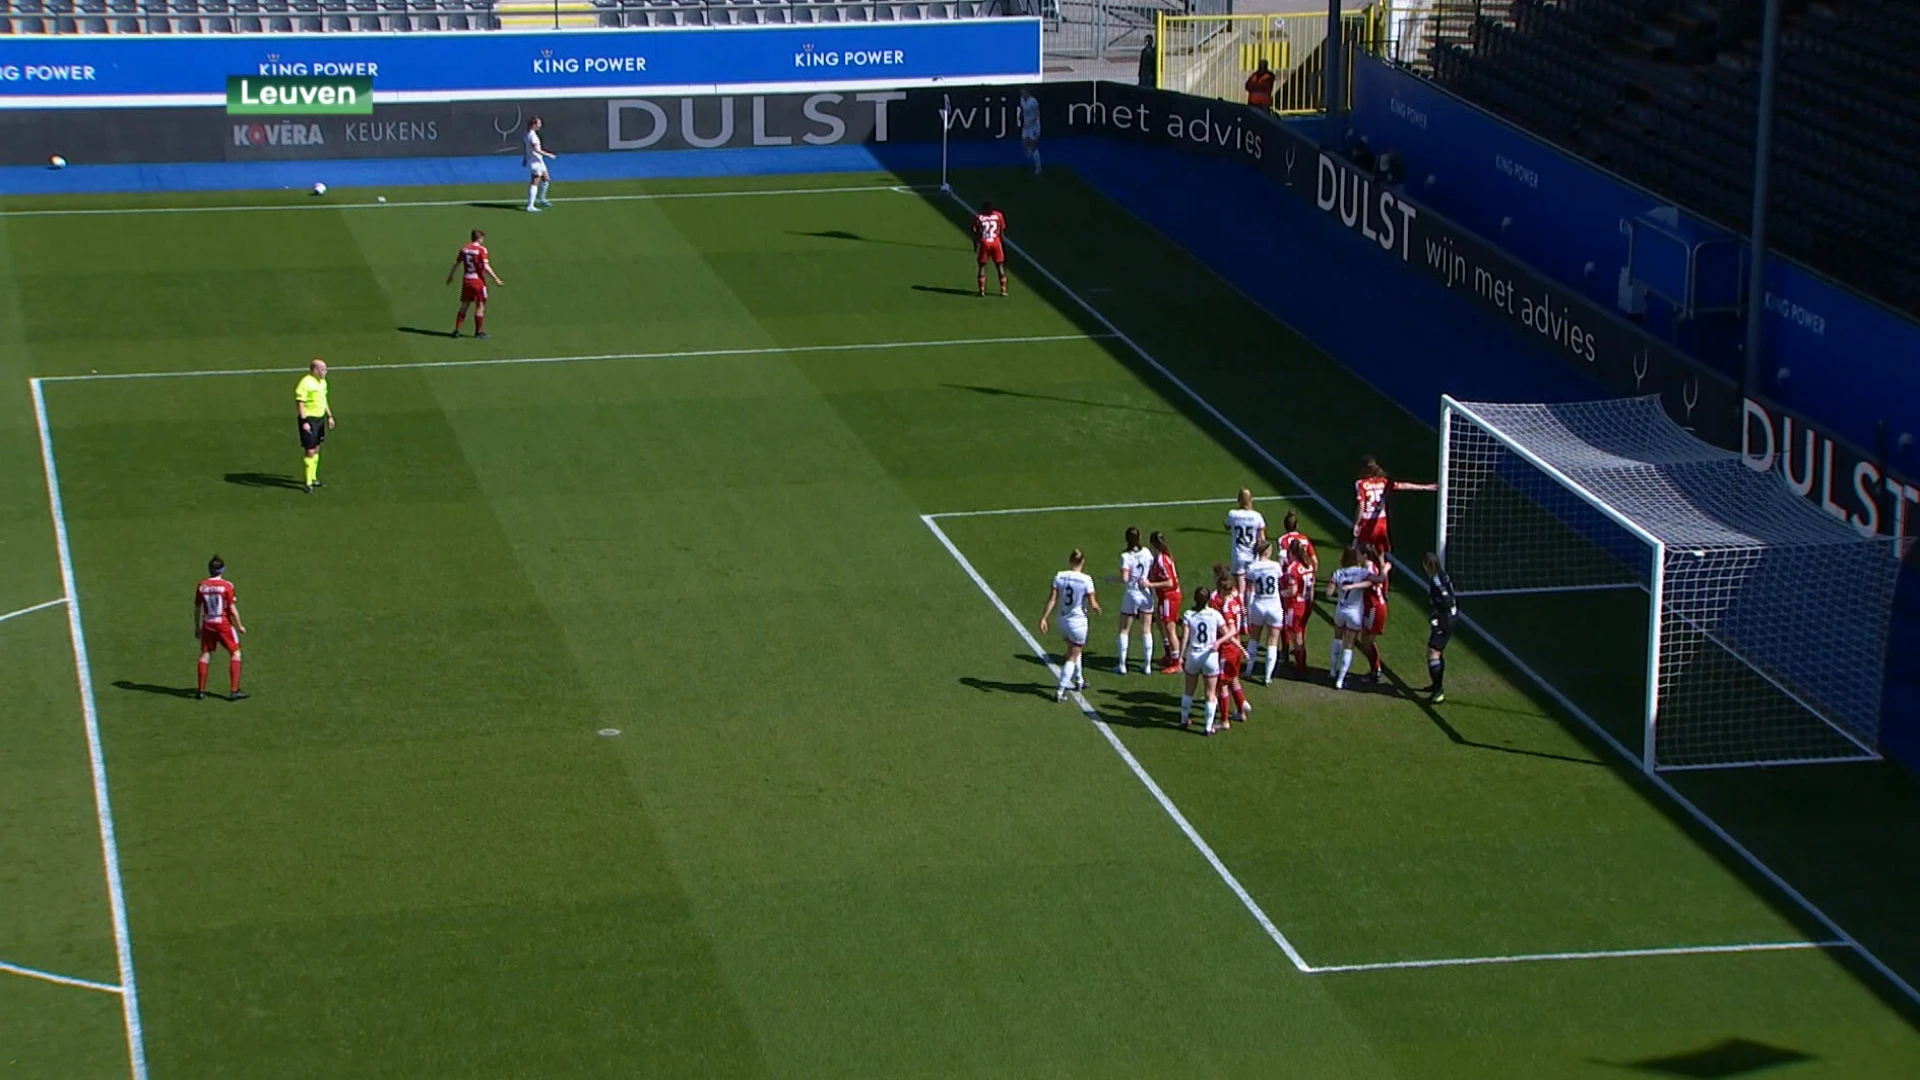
(543, 190)
(1079, 666)
(1213, 707)
(1186, 707)
(1346, 662)
(1333, 659)
(1146, 651)
(1122, 665)
(1273, 659)
(533, 192)
(1036, 160)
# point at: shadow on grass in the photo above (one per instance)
(423, 331)
(1724, 1059)
(514, 206)
(264, 480)
(996, 391)
(842, 234)
(946, 290)
(1038, 690)
(151, 688)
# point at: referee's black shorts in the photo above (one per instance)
(313, 432)
(1438, 635)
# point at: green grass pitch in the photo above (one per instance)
(842, 829)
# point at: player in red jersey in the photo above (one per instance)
(1370, 493)
(216, 622)
(1296, 589)
(1226, 600)
(1374, 619)
(1290, 535)
(989, 236)
(1164, 580)
(474, 268)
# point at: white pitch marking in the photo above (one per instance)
(60, 980)
(1103, 506)
(318, 205)
(1598, 954)
(96, 755)
(31, 610)
(1193, 835)
(685, 354)
(1559, 698)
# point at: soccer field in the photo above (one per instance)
(651, 690)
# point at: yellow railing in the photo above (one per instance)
(1214, 55)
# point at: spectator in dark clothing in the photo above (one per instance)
(1149, 64)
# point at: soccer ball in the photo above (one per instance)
(56, 162)
(319, 188)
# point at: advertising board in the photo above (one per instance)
(98, 70)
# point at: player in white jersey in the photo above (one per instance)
(1201, 631)
(1030, 127)
(1348, 590)
(1246, 528)
(1136, 601)
(1071, 594)
(534, 157)
(1266, 613)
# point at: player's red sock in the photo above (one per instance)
(1300, 660)
(459, 320)
(233, 675)
(1239, 697)
(479, 321)
(980, 281)
(203, 676)
(1373, 657)
(1003, 284)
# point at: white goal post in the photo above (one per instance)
(1765, 619)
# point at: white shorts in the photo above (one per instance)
(1208, 664)
(1266, 613)
(1240, 562)
(1074, 631)
(1349, 618)
(1133, 602)
(1030, 134)
(537, 170)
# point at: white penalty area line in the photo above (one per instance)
(1139, 771)
(1106, 506)
(1597, 954)
(34, 608)
(58, 980)
(1660, 783)
(96, 753)
(683, 354)
(320, 203)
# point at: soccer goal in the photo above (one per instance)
(1765, 618)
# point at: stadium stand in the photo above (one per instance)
(1664, 93)
(374, 16)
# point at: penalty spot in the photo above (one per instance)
(609, 732)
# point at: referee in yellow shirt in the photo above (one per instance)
(316, 418)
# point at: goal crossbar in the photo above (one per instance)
(1767, 618)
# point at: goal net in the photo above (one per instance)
(1764, 619)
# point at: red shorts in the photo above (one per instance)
(989, 253)
(1168, 606)
(1373, 618)
(1371, 534)
(1231, 657)
(1297, 617)
(473, 291)
(218, 635)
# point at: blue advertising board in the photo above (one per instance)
(1833, 356)
(191, 69)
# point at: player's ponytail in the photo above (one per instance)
(1370, 467)
(1158, 541)
(215, 566)
(1350, 556)
(1291, 523)
(1076, 558)
(1133, 538)
(1246, 499)
(1201, 595)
